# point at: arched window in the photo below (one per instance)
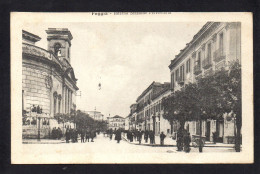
(57, 49)
(59, 102)
(55, 95)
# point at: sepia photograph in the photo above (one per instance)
(141, 87)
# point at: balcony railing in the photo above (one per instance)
(206, 63)
(37, 51)
(219, 55)
(197, 69)
(180, 81)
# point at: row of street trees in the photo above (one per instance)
(82, 120)
(209, 98)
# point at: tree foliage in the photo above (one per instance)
(209, 98)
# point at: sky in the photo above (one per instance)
(124, 57)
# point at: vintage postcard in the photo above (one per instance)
(131, 87)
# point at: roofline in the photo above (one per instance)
(146, 90)
(36, 38)
(190, 44)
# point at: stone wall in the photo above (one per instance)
(33, 81)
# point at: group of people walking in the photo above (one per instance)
(137, 135)
(118, 136)
(71, 134)
(85, 135)
(56, 133)
(183, 138)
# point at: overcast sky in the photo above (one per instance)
(124, 57)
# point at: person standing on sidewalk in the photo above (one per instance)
(87, 135)
(118, 136)
(139, 136)
(186, 141)
(162, 136)
(146, 136)
(67, 134)
(92, 135)
(82, 134)
(111, 134)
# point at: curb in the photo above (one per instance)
(158, 145)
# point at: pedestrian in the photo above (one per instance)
(128, 135)
(59, 133)
(131, 136)
(151, 136)
(67, 134)
(82, 136)
(139, 136)
(92, 135)
(186, 141)
(54, 133)
(118, 136)
(87, 135)
(162, 136)
(146, 134)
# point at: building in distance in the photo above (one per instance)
(116, 122)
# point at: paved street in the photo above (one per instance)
(103, 144)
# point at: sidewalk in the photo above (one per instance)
(46, 141)
(169, 142)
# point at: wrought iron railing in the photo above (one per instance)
(197, 69)
(219, 55)
(206, 63)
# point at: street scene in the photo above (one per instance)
(133, 87)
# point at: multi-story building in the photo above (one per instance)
(149, 110)
(48, 80)
(96, 115)
(212, 48)
(159, 123)
(116, 122)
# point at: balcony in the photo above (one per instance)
(197, 69)
(180, 81)
(219, 55)
(206, 63)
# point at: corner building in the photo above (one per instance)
(212, 48)
(48, 80)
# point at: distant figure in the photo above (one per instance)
(87, 135)
(151, 135)
(118, 136)
(162, 136)
(111, 134)
(186, 141)
(92, 135)
(139, 134)
(146, 134)
(82, 134)
(54, 133)
(59, 133)
(67, 134)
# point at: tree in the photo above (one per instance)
(209, 98)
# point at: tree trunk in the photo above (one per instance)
(200, 142)
(171, 123)
(238, 136)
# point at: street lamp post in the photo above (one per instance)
(39, 130)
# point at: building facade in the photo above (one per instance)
(211, 49)
(147, 112)
(48, 81)
(116, 122)
(96, 115)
